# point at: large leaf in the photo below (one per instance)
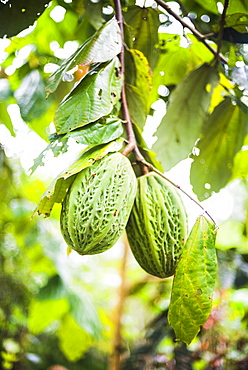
(104, 45)
(239, 21)
(193, 285)
(56, 192)
(223, 136)
(144, 23)
(93, 98)
(237, 6)
(15, 16)
(187, 109)
(100, 132)
(138, 85)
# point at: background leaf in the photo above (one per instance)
(223, 136)
(104, 45)
(193, 285)
(93, 98)
(15, 16)
(187, 109)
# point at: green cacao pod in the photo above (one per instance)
(96, 208)
(157, 227)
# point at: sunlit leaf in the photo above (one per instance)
(43, 313)
(56, 192)
(5, 118)
(104, 45)
(187, 109)
(15, 16)
(93, 98)
(84, 313)
(222, 138)
(31, 96)
(239, 21)
(193, 285)
(54, 289)
(99, 132)
(73, 340)
(237, 6)
(144, 23)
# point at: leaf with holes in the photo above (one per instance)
(93, 98)
(56, 192)
(193, 285)
(104, 45)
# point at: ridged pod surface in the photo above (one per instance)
(96, 208)
(157, 227)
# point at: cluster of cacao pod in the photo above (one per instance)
(106, 198)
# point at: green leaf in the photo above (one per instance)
(93, 98)
(54, 289)
(5, 118)
(84, 313)
(237, 6)
(222, 138)
(73, 340)
(240, 166)
(238, 21)
(144, 23)
(209, 5)
(99, 132)
(187, 109)
(31, 96)
(56, 192)
(104, 45)
(15, 16)
(57, 146)
(193, 285)
(43, 313)
(138, 85)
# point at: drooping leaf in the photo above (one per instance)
(93, 98)
(148, 154)
(104, 45)
(187, 109)
(31, 96)
(100, 132)
(144, 23)
(15, 16)
(193, 285)
(138, 85)
(56, 192)
(136, 103)
(222, 138)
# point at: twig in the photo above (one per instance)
(152, 168)
(195, 32)
(221, 31)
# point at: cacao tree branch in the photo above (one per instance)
(132, 144)
(221, 30)
(195, 31)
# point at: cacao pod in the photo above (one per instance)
(96, 208)
(157, 226)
